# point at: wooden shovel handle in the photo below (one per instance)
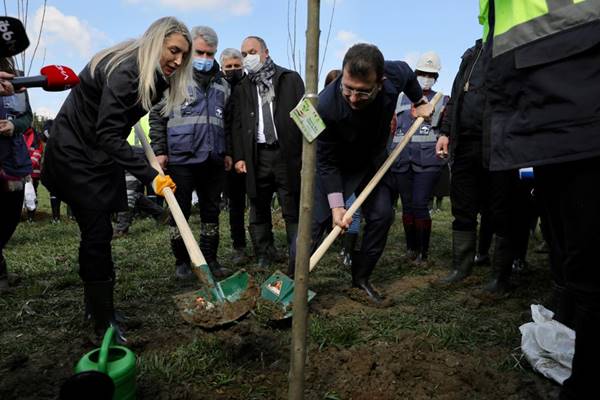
(184, 228)
(320, 252)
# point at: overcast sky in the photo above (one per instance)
(74, 30)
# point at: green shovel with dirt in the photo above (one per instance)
(216, 303)
(277, 292)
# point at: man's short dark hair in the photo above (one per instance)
(362, 59)
(260, 40)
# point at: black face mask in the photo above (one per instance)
(234, 75)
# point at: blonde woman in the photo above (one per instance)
(87, 152)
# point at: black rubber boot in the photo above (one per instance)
(423, 235)
(182, 259)
(463, 252)
(55, 204)
(209, 245)
(99, 295)
(501, 267)
(349, 245)
(362, 267)
(408, 222)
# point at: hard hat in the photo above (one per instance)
(429, 62)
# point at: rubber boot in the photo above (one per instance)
(349, 245)
(3, 275)
(484, 241)
(501, 267)
(261, 239)
(362, 267)
(182, 258)
(55, 205)
(99, 295)
(463, 252)
(209, 245)
(408, 222)
(423, 235)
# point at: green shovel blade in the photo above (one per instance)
(279, 289)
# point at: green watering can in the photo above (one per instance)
(118, 362)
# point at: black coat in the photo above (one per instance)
(354, 143)
(289, 90)
(543, 99)
(464, 111)
(87, 152)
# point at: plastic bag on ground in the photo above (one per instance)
(548, 345)
(30, 198)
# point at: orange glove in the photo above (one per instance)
(161, 182)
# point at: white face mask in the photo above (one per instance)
(252, 62)
(425, 82)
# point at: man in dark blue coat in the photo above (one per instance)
(357, 109)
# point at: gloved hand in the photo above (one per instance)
(161, 182)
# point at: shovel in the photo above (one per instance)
(279, 288)
(217, 303)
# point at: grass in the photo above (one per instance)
(42, 316)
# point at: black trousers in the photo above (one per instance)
(236, 192)
(95, 254)
(568, 193)
(10, 209)
(469, 184)
(378, 214)
(271, 177)
(207, 179)
(416, 188)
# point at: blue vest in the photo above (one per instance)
(420, 151)
(14, 157)
(196, 130)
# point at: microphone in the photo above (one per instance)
(13, 38)
(53, 78)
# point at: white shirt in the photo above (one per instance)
(260, 135)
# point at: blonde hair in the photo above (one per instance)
(148, 49)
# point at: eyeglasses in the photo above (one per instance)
(207, 53)
(360, 94)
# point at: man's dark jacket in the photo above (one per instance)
(354, 144)
(87, 151)
(289, 90)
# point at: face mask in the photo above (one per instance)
(202, 64)
(425, 82)
(252, 62)
(234, 75)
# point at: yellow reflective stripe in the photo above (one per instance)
(560, 18)
(510, 13)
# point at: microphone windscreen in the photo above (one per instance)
(13, 38)
(59, 78)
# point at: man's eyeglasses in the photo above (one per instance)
(207, 53)
(360, 94)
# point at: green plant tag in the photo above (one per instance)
(308, 120)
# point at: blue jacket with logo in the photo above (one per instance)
(420, 151)
(195, 131)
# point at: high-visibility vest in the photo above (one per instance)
(519, 22)
(132, 138)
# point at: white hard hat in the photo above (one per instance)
(429, 62)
